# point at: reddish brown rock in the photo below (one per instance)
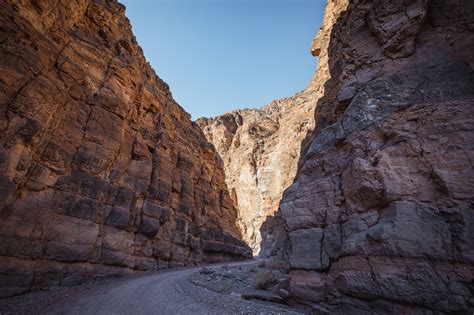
(380, 216)
(102, 173)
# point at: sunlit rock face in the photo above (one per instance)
(260, 148)
(380, 217)
(102, 173)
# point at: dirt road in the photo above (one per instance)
(157, 293)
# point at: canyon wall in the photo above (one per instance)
(102, 172)
(260, 149)
(380, 218)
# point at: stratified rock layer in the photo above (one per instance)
(102, 173)
(380, 218)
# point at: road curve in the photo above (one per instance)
(162, 293)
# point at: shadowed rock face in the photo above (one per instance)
(380, 217)
(102, 173)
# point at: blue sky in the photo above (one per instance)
(220, 55)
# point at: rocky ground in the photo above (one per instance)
(264, 281)
(41, 301)
(215, 289)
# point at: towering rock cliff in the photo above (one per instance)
(380, 218)
(260, 149)
(101, 172)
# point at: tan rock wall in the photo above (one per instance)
(260, 149)
(102, 173)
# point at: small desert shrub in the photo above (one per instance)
(265, 279)
(279, 265)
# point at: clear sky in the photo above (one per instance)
(220, 55)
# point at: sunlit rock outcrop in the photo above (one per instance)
(101, 172)
(260, 148)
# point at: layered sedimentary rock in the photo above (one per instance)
(380, 218)
(102, 173)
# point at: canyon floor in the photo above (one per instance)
(214, 289)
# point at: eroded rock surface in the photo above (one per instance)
(260, 149)
(380, 218)
(102, 173)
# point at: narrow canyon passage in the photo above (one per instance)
(358, 191)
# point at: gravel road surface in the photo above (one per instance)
(167, 292)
